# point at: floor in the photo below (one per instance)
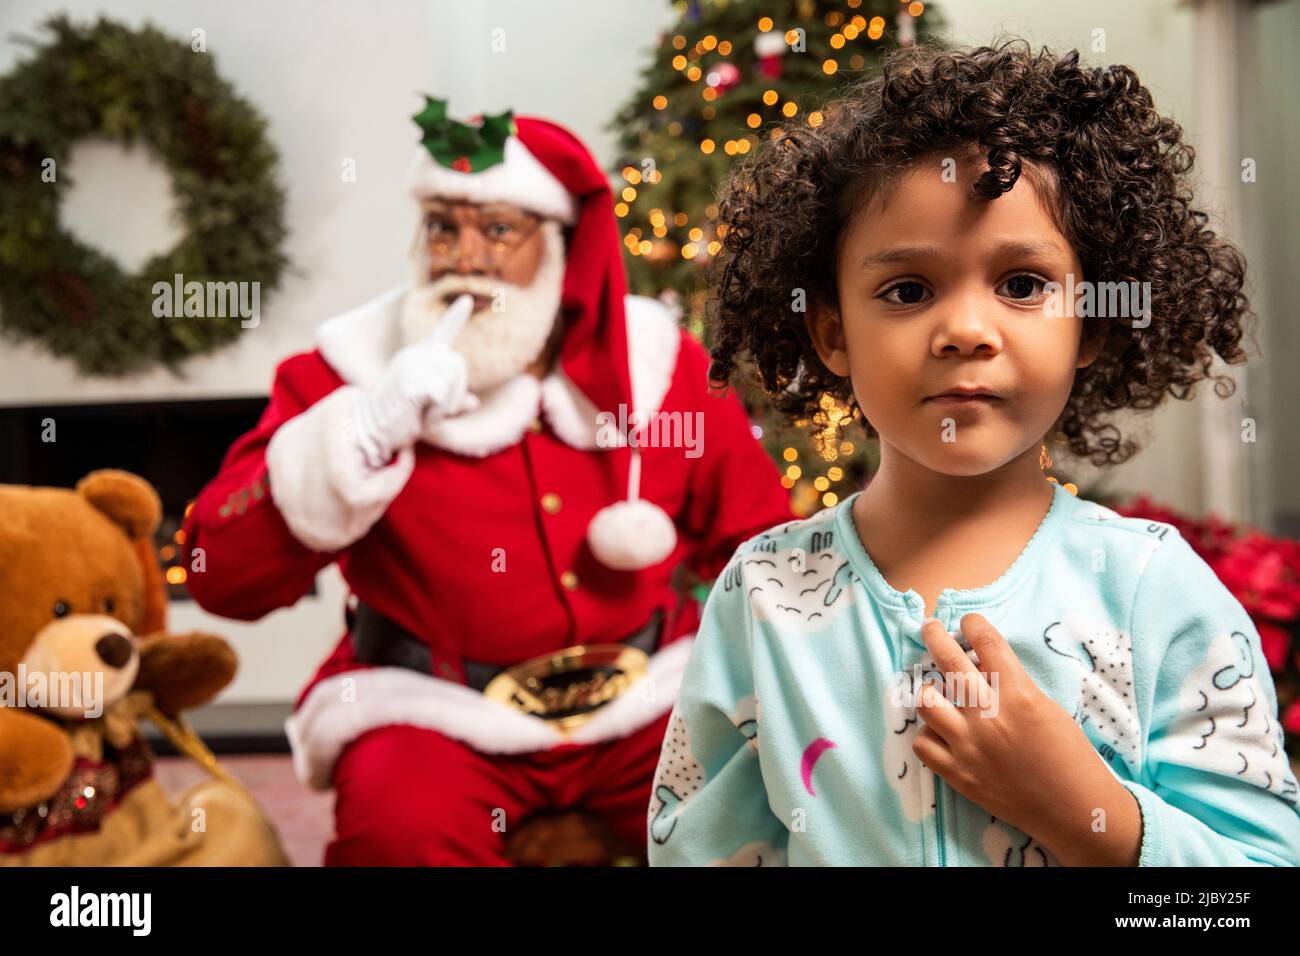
(303, 818)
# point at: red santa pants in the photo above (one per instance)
(407, 796)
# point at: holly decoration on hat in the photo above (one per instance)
(465, 147)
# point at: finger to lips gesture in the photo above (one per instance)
(452, 321)
(447, 383)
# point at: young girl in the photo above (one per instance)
(965, 664)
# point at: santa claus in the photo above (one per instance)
(473, 449)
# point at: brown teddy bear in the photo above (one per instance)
(83, 655)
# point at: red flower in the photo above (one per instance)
(461, 164)
(1213, 538)
(1143, 507)
(1275, 641)
(1291, 718)
(1263, 573)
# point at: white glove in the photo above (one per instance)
(423, 382)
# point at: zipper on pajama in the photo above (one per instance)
(938, 815)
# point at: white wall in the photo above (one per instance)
(336, 80)
(1271, 208)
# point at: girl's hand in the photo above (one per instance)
(999, 741)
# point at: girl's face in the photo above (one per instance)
(938, 292)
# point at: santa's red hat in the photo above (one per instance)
(541, 166)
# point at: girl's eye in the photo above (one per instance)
(904, 293)
(1021, 286)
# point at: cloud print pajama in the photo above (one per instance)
(791, 741)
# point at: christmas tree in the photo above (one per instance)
(729, 75)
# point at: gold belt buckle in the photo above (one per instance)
(567, 687)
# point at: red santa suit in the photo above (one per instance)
(476, 541)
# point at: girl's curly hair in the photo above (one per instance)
(1115, 173)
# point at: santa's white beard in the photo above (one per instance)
(506, 337)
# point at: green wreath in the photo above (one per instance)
(131, 85)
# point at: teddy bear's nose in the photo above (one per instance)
(113, 649)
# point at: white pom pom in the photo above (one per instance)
(631, 535)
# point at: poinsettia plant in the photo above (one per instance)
(1263, 573)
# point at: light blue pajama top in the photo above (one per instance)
(791, 740)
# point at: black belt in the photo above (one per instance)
(379, 640)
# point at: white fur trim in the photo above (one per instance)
(498, 422)
(319, 482)
(520, 180)
(341, 708)
(358, 344)
(653, 340)
(631, 535)
(571, 414)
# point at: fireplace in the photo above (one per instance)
(176, 445)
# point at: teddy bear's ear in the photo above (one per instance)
(126, 499)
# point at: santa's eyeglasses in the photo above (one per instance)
(498, 232)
